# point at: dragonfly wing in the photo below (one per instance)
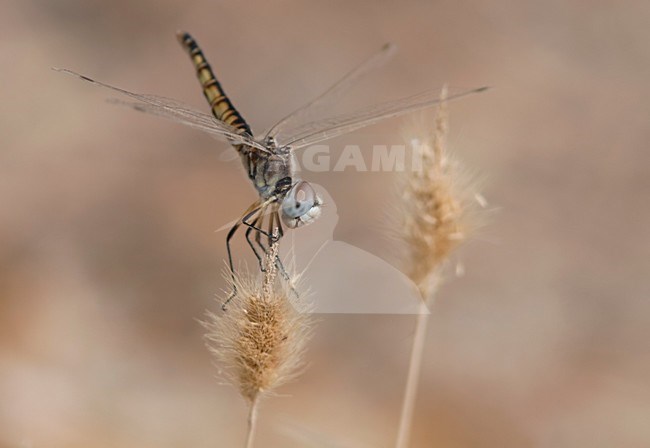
(176, 111)
(377, 60)
(321, 130)
(191, 118)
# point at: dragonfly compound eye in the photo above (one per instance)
(301, 205)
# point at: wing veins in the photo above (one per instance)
(318, 131)
(175, 111)
(374, 62)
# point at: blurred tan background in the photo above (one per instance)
(109, 255)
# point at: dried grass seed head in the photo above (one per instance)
(437, 201)
(259, 341)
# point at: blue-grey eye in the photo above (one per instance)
(299, 200)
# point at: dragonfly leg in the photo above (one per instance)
(258, 239)
(274, 234)
(258, 222)
(231, 265)
(272, 238)
(280, 229)
(260, 244)
(273, 229)
(249, 212)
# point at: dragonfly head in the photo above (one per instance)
(301, 205)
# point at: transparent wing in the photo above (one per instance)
(374, 62)
(187, 116)
(176, 111)
(321, 130)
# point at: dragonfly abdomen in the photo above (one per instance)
(220, 104)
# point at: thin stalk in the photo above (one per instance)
(252, 423)
(413, 378)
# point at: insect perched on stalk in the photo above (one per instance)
(283, 199)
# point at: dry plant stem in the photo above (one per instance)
(435, 225)
(413, 379)
(252, 423)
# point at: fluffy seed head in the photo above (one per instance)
(260, 339)
(437, 204)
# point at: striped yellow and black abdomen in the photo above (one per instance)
(220, 104)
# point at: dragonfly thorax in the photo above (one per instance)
(270, 171)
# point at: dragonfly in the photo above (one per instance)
(283, 198)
